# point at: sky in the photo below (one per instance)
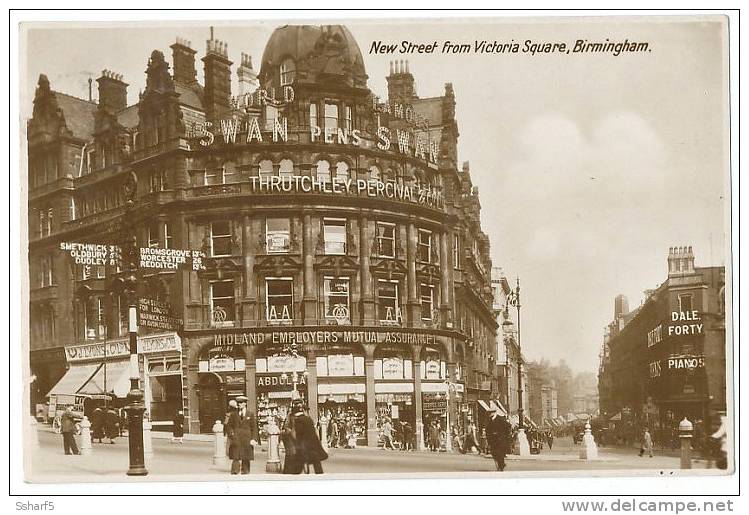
(589, 166)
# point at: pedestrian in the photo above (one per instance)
(470, 443)
(241, 430)
(303, 442)
(498, 436)
(646, 443)
(333, 430)
(434, 436)
(721, 435)
(97, 424)
(549, 439)
(111, 425)
(408, 436)
(387, 434)
(67, 428)
(178, 429)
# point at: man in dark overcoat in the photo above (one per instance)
(97, 424)
(498, 437)
(241, 430)
(112, 425)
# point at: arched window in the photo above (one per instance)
(265, 169)
(286, 168)
(287, 72)
(323, 170)
(374, 173)
(341, 170)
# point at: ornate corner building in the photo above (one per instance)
(666, 359)
(345, 260)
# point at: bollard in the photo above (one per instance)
(523, 448)
(147, 442)
(34, 432)
(588, 450)
(324, 432)
(85, 437)
(219, 450)
(685, 436)
(274, 460)
(419, 435)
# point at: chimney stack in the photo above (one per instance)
(680, 261)
(401, 87)
(112, 91)
(217, 88)
(246, 76)
(183, 59)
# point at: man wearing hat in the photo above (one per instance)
(241, 430)
(498, 437)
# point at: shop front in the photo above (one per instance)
(341, 396)
(279, 379)
(221, 378)
(162, 378)
(48, 366)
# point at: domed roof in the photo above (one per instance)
(319, 52)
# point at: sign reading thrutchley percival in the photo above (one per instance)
(156, 315)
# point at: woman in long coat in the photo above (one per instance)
(300, 435)
(111, 425)
(97, 424)
(178, 430)
(241, 429)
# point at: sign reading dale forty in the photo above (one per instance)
(156, 315)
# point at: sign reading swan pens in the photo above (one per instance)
(157, 315)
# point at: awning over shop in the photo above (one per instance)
(74, 379)
(485, 405)
(118, 380)
(618, 416)
(496, 405)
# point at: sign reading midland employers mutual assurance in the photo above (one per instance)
(323, 337)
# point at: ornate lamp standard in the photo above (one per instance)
(513, 299)
(136, 405)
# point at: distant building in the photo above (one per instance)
(666, 360)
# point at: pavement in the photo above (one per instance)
(193, 460)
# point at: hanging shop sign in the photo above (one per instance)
(157, 315)
(324, 337)
(685, 323)
(159, 343)
(434, 402)
(686, 362)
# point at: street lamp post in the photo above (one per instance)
(523, 447)
(136, 405)
(449, 388)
